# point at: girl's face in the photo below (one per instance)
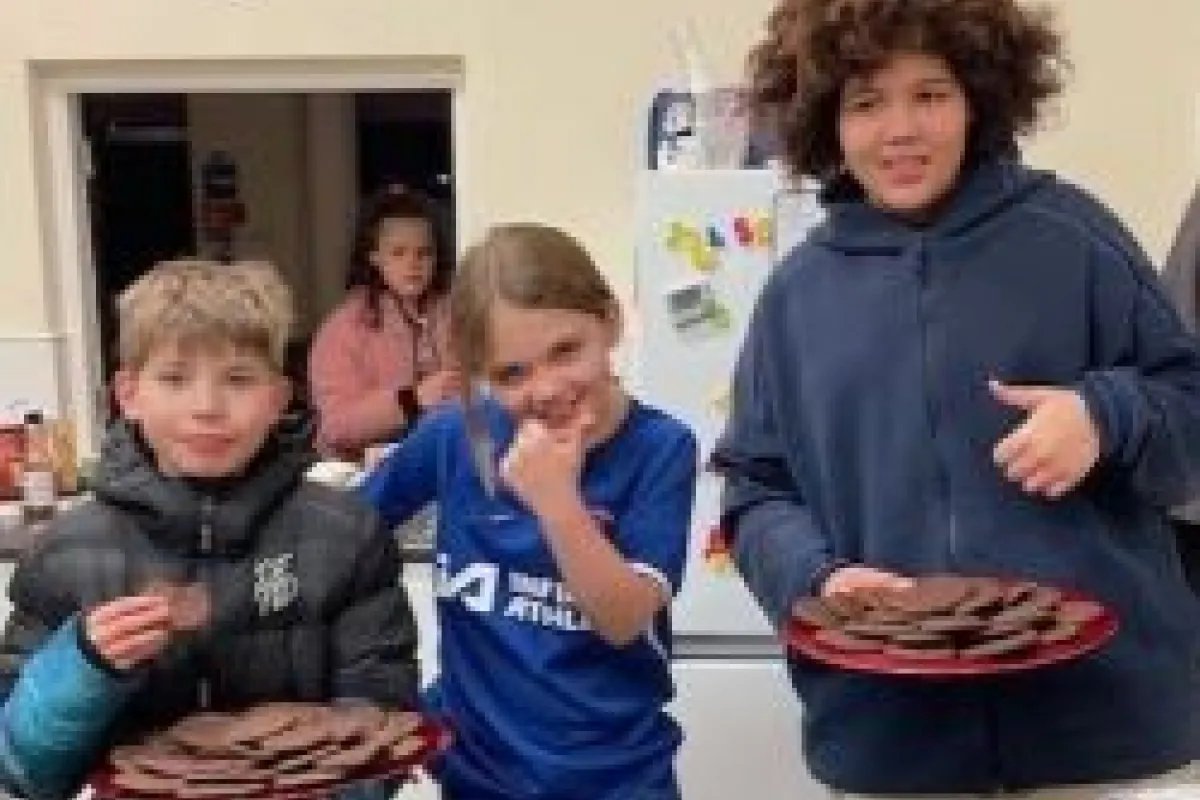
(404, 255)
(551, 364)
(903, 133)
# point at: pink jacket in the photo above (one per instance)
(354, 370)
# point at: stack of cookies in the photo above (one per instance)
(273, 749)
(943, 617)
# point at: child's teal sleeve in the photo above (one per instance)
(57, 716)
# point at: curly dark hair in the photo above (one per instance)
(1007, 56)
(396, 202)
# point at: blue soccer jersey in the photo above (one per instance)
(541, 706)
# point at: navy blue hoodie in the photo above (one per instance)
(862, 431)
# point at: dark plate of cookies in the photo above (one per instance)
(275, 751)
(950, 626)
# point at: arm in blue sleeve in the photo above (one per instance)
(1144, 392)
(407, 480)
(652, 533)
(58, 715)
(781, 551)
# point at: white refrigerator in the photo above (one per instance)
(706, 241)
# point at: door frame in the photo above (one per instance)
(64, 163)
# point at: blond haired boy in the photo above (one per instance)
(206, 574)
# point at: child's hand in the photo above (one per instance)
(129, 631)
(848, 580)
(1055, 447)
(543, 464)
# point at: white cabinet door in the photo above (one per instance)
(741, 727)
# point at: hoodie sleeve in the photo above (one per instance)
(407, 479)
(1144, 392)
(781, 551)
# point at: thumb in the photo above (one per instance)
(1023, 397)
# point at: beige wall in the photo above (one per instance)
(1128, 129)
(550, 122)
(550, 110)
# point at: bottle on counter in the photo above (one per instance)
(37, 472)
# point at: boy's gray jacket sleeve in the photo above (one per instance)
(779, 548)
(1145, 399)
(375, 636)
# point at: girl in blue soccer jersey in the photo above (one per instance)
(565, 510)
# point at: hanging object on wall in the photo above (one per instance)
(694, 244)
(694, 303)
(222, 212)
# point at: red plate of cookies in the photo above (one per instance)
(948, 626)
(275, 751)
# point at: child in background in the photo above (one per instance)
(565, 514)
(381, 357)
(206, 573)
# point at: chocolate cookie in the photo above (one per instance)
(1003, 646)
(814, 611)
(1061, 631)
(950, 625)
(885, 631)
(196, 791)
(355, 756)
(306, 779)
(988, 596)
(265, 722)
(298, 739)
(406, 748)
(919, 653)
(1079, 612)
(145, 783)
(939, 594)
(842, 641)
(844, 606)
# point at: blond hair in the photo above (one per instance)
(529, 266)
(196, 302)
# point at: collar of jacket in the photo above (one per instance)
(175, 509)
(984, 190)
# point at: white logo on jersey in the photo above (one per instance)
(275, 585)
(475, 585)
(533, 599)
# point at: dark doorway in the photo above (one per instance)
(139, 193)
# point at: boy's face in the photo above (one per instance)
(903, 132)
(205, 410)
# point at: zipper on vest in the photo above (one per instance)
(204, 684)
